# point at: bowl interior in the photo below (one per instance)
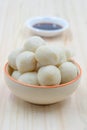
(8, 71)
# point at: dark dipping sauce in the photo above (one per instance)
(47, 26)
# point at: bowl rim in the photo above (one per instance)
(37, 86)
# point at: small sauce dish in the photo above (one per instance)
(47, 26)
(41, 94)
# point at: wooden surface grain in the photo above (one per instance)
(70, 114)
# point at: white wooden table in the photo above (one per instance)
(70, 114)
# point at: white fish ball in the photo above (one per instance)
(68, 72)
(60, 49)
(16, 74)
(29, 77)
(50, 55)
(33, 43)
(12, 57)
(69, 53)
(49, 75)
(26, 62)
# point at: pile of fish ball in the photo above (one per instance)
(39, 63)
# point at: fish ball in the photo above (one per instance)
(69, 53)
(33, 43)
(16, 74)
(49, 55)
(49, 75)
(68, 72)
(12, 58)
(26, 62)
(29, 77)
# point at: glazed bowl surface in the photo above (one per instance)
(41, 94)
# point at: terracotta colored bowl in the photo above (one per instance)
(41, 94)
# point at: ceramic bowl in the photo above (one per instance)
(41, 94)
(47, 33)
